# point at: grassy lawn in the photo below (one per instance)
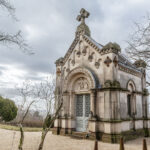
(26, 129)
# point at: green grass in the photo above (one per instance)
(15, 128)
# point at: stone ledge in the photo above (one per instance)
(109, 138)
(119, 89)
(120, 120)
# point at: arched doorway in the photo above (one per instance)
(131, 98)
(79, 83)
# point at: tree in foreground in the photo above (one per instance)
(139, 43)
(46, 95)
(26, 92)
(8, 109)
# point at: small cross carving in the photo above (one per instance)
(108, 61)
(83, 14)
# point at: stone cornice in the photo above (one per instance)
(119, 120)
(91, 44)
(119, 89)
(103, 52)
(110, 48)
(113, 89)
(127, 70)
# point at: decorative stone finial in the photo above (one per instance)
(140, 63)
(111, 47)
(83, 28)
(59, 61)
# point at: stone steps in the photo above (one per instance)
(79, 135)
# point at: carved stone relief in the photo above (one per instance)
(73, 62)
(81, 84)
(90, 58)
(78, 70)
(115, 61)
(78, 53)
(97, 63)
(108, 61)
(67, 70)
(58, 72)
(84, 51)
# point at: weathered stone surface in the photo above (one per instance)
(117, 89)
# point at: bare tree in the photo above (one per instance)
(42, 94)
(46, 94)
(17, 39)
(26, 92)
(139, 42)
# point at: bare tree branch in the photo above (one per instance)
(148, 83)
(6, 4)
(139, 42)
(17, 39)
(46, 94)
(26, 93)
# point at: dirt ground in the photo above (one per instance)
(9, 141)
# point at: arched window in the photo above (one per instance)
(129, 104)
(131, 98)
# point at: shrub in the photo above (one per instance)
(8, 109)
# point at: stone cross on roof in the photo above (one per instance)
(83, 14)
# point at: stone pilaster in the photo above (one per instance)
(72, 104)
(93, 102)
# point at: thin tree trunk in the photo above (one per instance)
(45, 129)
(21, 138)
(44, 133)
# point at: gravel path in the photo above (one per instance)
(10, 139)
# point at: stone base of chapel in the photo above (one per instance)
(109, 138)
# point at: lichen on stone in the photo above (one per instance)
(59, 61)
(140, 63)
(111, 84)
(83, 28)
(112, 46)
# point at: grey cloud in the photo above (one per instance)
(8, 92)
(49, 27)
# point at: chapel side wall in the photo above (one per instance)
(123, 79)
(124, 108)
(123, 105)
(107, 105)
(139, 113)
(100, 105)
(103, 105)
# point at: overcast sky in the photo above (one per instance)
(49, 28)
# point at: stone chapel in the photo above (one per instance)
(104, 94)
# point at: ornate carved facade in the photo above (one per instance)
(103, 93)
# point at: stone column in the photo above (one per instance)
(92, 101)
(72, 102)
(65, 103)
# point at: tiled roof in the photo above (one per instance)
(126, 63)
(94, 42)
